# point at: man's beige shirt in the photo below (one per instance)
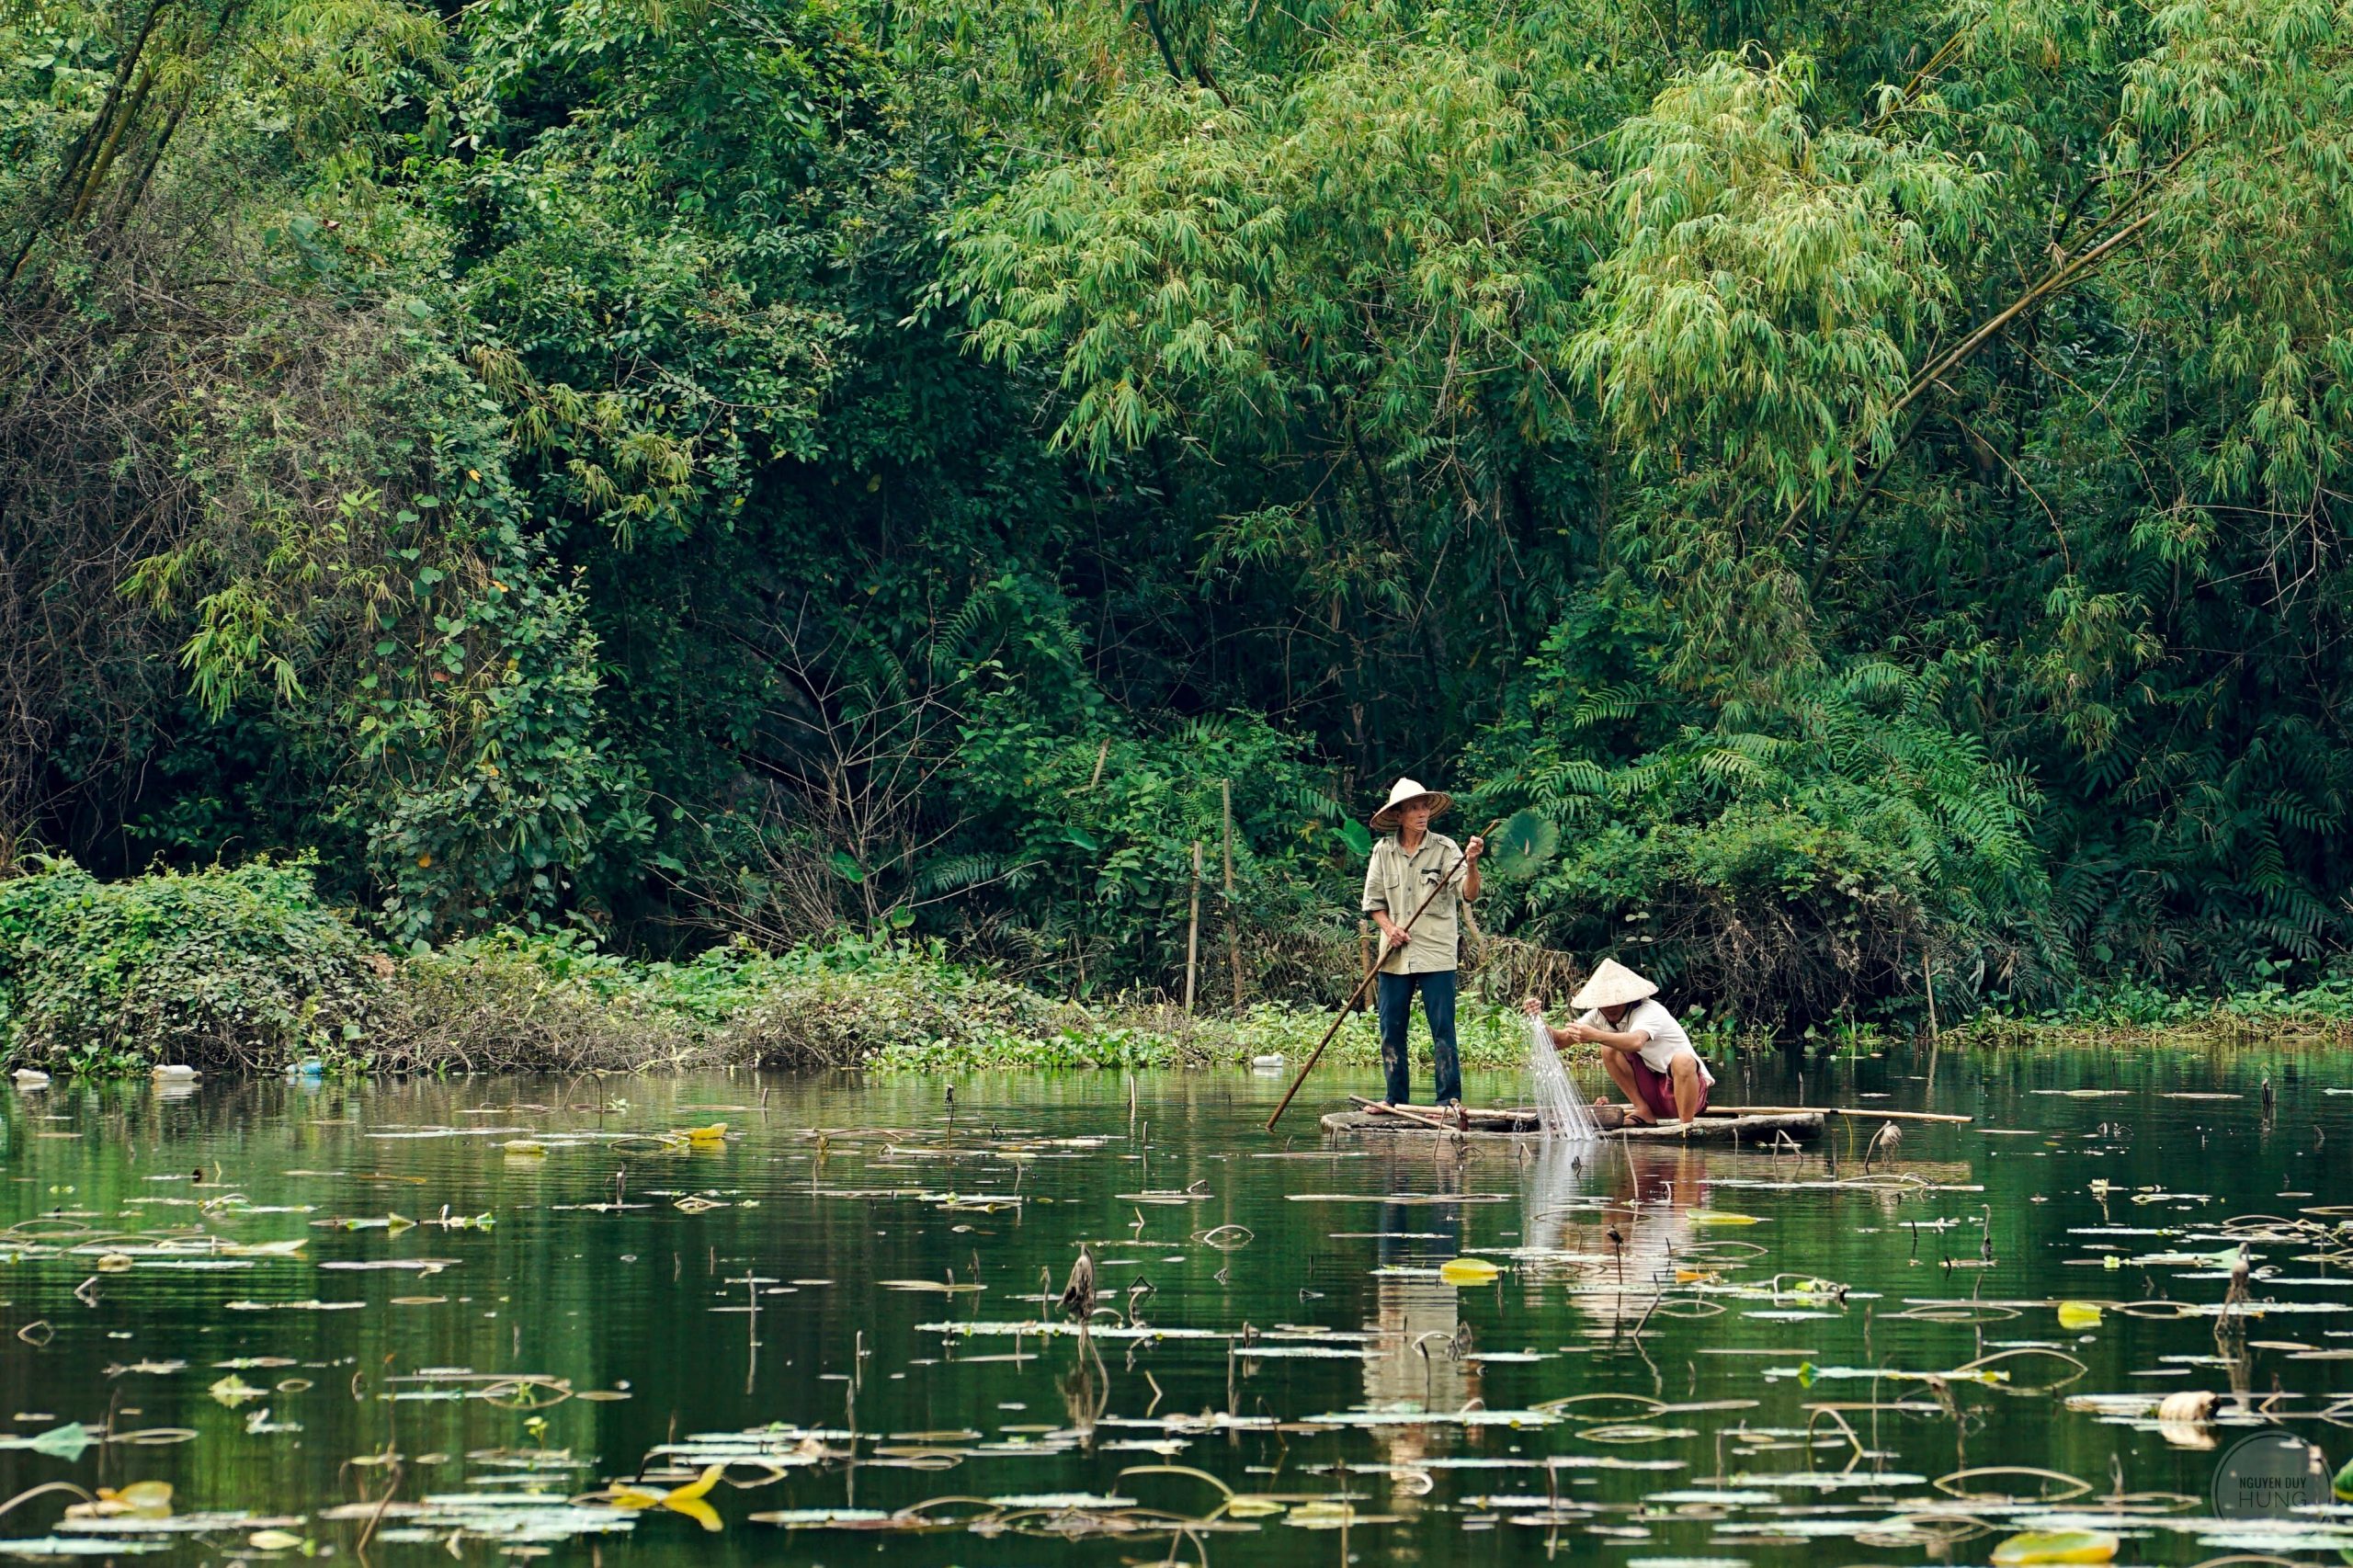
(1396, 883)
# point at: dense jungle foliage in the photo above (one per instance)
(1874, 474)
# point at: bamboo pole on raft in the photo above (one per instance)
(1864, 1113)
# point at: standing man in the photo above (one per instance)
(1406, 866)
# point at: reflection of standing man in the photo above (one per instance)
(1406, 866)
(1418, 1326)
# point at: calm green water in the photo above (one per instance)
(1309, 1349)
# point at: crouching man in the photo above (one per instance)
(1643, 1049)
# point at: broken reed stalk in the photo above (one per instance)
(1657, 1295)
(45, 1486)
(368, 1531)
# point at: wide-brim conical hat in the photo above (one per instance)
(1612, 986)
(1404, 793)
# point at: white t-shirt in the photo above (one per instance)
(1666, 1040)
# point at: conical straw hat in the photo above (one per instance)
(1404, 793)
(1612, 986)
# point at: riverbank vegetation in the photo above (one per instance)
(647, 496)
(245, 967)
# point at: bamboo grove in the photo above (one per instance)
(1873, 473)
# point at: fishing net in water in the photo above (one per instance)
(1559, 1109)
(1555, 1200)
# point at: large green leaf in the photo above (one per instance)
(1524, 842)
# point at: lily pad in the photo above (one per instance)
(2056, 1545)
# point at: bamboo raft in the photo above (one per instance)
(1507, 1122)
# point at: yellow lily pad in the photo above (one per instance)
(2056, 1545)
(1468, 1271)
(141, 1499)
(686, 1499)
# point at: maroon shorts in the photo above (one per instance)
(1657, 1089)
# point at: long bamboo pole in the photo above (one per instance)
(1861, 1113)
(1342, 1015)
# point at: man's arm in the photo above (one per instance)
(1577, 1030)
(1375, 902)
(1627, 1042)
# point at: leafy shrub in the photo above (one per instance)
(823, 1016)
(1787, 860)
(2133, 1006)
(225, 967)
(555, 1000)
(495, 1005)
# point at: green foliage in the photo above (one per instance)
(2268, 1004)
(1798, 864)
(218, 968)
(1092, 835)
(893, 1006)
(1527, 839)
(1870, 477)
(1773, 278)
(245, 967)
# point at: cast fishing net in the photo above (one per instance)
(1560, 1111)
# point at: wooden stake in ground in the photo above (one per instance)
(1193, 932)
(1232, 920)
(1929, 984)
